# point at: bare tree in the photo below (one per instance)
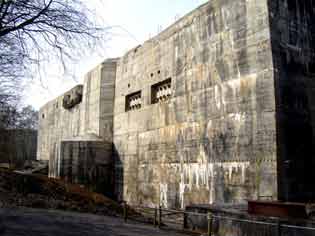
(27, 118)
(34, 31)
(8, 111)
(18, 131)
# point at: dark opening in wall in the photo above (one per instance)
(43, 116)
(311, 67)
(292, 5)
(161, 91)
(151, 75)
(73, 97)
(293, 33)
(133, 101)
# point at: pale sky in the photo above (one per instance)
(141, 18)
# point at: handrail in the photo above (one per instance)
(158, 213)
(297, 227)
(244, 220)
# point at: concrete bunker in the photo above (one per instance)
(238, 123)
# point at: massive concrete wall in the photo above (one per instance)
(292, 24)
(215, 109)
(214, 139)
(89, 119)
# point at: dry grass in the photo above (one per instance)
(39, 191)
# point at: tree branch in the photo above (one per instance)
(26, 22)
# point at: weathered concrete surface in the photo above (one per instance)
(86, 120)
(215, 109)
(214, 140)
(31, 222)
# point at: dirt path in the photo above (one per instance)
(34, 222)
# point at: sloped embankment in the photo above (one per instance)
(37, 191)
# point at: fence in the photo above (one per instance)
(178, 220)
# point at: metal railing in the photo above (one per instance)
(177, 219)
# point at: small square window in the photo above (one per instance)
(133, 101)
(161, 91)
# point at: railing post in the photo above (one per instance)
(209, 224)
(160, 216)
(155, 216)
(125, 211)
(279, 228)
(184, 220)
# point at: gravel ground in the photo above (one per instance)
(31, 222)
